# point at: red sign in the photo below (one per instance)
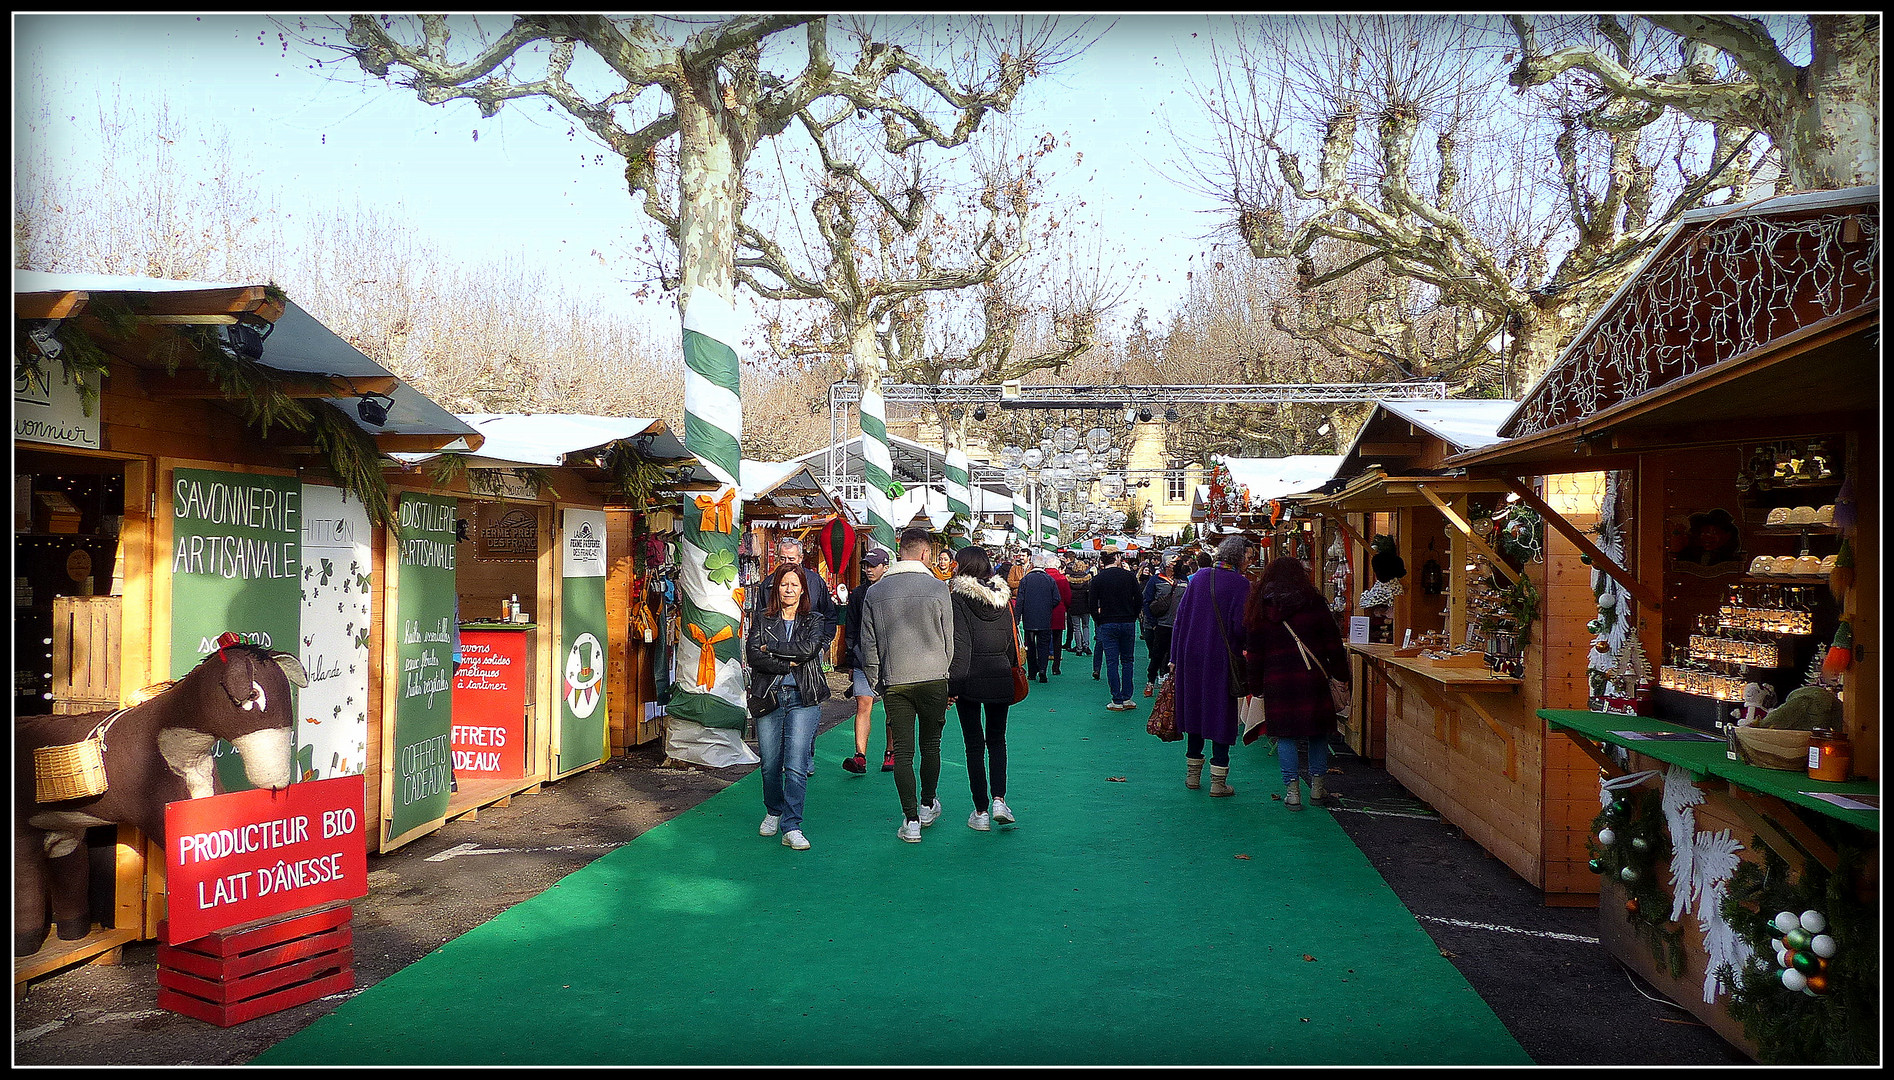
(489, 730)
(232, 859)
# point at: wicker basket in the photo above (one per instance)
(1774, 748)
(73, 771)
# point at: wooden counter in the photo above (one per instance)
(1465, 680)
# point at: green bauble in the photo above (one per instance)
(1629, 874)
(1806, 962)
(1597, 866)
(1640, 845)
(1798, 939)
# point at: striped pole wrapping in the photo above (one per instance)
(877, 468)
(713, 432)
(1022, 519)
(1049, 528)
(959, 492)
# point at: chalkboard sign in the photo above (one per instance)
(236, 564)
(424, 654)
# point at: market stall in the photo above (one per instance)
(1723, 387)
(198, 459)
(787, 499)
(545, 594)
(1467, 615)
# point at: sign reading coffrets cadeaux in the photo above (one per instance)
(232, 859)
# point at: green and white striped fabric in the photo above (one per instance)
(711, 616)
(1049, 528)
(878, 468)
(1022, 519)
(959, 493)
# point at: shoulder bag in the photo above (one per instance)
(1021, 684)
(1239, 675)
(1337, 689)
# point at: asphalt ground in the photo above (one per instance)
(1541, 969)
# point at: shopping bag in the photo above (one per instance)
(1163, 722)
(1249, 714)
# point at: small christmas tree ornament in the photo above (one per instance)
(1607, 837)
(1812, 921)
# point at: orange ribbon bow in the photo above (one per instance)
(707, 656)
(719, 514)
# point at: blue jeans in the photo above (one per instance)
(1118, 641)
(785, 737)
(1315, 748)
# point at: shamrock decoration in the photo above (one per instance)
(720, 567)
(328, 571)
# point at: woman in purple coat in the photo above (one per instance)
(1208, 631)
(1298, 707)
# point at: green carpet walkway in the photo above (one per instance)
(1117, 922)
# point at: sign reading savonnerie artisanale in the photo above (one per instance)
(248, 855)
(424, 652)
(582, 638)
(236, 565)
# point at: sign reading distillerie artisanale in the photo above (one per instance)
(230, 859)
(424, 615)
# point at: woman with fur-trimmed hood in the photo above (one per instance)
(981, 679)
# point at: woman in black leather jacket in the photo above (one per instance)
(784, 651)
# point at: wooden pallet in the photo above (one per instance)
(240, 974)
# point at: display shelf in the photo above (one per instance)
(1796, 530)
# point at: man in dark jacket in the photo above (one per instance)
(789, 550)
(1116, 604)
(874, 562)
(1036, 599)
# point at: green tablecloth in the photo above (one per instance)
(1708, 759)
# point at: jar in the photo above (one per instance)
(1831, 755)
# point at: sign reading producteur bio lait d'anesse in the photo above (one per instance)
(248, 855)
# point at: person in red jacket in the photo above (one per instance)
(1059, 613)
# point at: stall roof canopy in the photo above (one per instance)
(1744, 321)
(1404, 435)
(1273, 478)
(547, 440)
(1376, 491)
(298, 343)
(786, 490)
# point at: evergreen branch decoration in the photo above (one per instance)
(637, 478)
(1838, 1027)
(541, 479)
(1640, 843)
(442, 470)
(354, 459)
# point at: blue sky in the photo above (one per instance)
(322, 139)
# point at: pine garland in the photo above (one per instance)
(1633, 818)
(1791, 1028)
(636, 477)
(354, 459)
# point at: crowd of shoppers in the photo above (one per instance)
(938, 628)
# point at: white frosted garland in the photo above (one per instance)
(1716, 860)
(1679, 796)
(1606, 786)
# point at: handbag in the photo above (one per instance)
(1021, 684)
(1337, 689)
(1249, 715)
(1163, 722)
(1239, 675)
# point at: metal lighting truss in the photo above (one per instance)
(1111, 396)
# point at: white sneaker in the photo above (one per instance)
(930, 812)
(979, 821)
(1002, 813)
(794, 839)
(910, 831)
(771, 822)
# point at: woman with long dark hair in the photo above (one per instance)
(981, 678)
(784, 650)
(1292, 647)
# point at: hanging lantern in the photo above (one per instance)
(838, 541)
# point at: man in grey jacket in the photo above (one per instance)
(907, 644)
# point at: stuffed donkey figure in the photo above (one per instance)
(156, 752)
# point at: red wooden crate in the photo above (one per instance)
(233, 967)
(254, 970)
(229, 1015)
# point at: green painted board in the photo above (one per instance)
(236, 564)
(582, 641)
(424, 681)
